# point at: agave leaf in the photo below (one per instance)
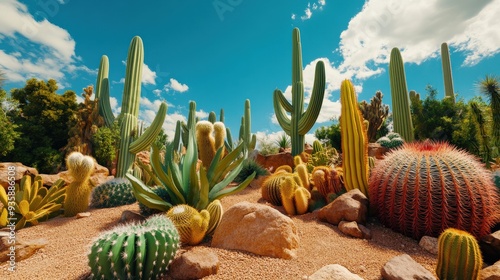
(3, 197)
(59, 183)
(24, 207)
(161, 172)
(222, 167)
(25, 182)
(189, 163)
(27, 192)
(226, 181)
(146, 196)
(35, 204)
(232, 190)
(203, 193)
(20, 223)
(45, 212)
(3, 216)
(43, 191)
(19, 196)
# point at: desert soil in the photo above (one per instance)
(69, 239)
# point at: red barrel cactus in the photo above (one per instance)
(426, 187)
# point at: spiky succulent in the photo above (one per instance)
(113, 193)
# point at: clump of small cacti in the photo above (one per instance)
(459, 256)
(295, 198)
(302, 172)
(426, 187)
(327, 181)
(80, 167)
(113, 193)
(391, 141)
(191, 224)
(135, 251)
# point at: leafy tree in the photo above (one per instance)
(330, 134)
(8, 133)
(490, 87)
(42, 118)
(105, 143)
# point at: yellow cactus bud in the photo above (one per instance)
(191, 224)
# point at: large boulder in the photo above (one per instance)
(257, 229)
(195, 263)
(404, 267)
(271, 162)
(491, 272)
(17, 169)
(334, 272)
(351, 206)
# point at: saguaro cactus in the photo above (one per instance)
(129, 146)
(354, 141)
(399, 92)
(299, 122)
(447, 77)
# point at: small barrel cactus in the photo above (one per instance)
(426, 187)
(135, 251)
(191, 224)
(391, 141)
(215, 210)
(459, 256)
(113, 193)
(80, 167)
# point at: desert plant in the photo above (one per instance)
(354, 141)
(80, 167)
(299, 122)
(250, 166)
(330, 135)
(327, 181)
(375, 113)
(447, 77)
(485, 138)
(191, 224)
(327, 156)
(426, 187)
(134, 251)
(267, 146)
(159, 191)
(295, 198)
(459, 256)
(216, 211)
(490, 87)
(283, 142)
(391, 141)
(400, 100)
(113, 193)
(32, 202)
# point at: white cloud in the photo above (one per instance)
(293, 16)
(175, 85)
(201, 114)
(307, 14)
(157, 92)
(418, 28)
(273, 137)
(49, 49)
(148, 75)
(308, 11)
(148, 111)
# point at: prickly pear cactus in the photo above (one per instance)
(113, 193)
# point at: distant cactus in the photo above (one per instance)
(391, 141)
(135, 251)
(424, 188)
(459, 256)
(80, 167)
(447, 76)
(191, 224)
(113, 193)
(317, 147)
(375, 113)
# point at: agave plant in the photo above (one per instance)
(184, 182)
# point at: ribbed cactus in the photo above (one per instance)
(216, 211)
(293, 196)
(327, 181)
(80, 167)
(400, 101)
(426, 187)
(354, 141)
(447, 77)
(135, 251)
(317, 147)
(301, 171)
(248, 138)
(391, 141)
(299, 122)
(191, 224)
(206, 142)
(102, 92)
(270, 188)
(459, 256)
(113, 193)
(130, 145)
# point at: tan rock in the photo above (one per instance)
(404, 267)
(376, 150)
(257, 229)
(333, 272)
(82, 215)
(19, 171)
(351, 206)
(271, 162)
(429, 243)
(355, 230)
(195, 263)
(23, 249)
(491, 272)
(130, 216)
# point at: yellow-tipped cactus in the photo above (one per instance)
(220, 136)
(191, 224)
(215, 210)
(270, 188)
(301, 198)
(283, 168)
(80, 167)
(294, 197)
(301, 170)
(206, 142)
(327, 181)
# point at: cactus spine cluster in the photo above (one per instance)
(354, 141)
(135, 251)
(113, 193)
(80, 167)
(191, 224)
(399, 92)
(128, 120)
(426, 187)
(447, 76)
(459, 256)
(299, 122)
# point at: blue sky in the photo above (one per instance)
(221, 52)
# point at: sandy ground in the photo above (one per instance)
(65, 256)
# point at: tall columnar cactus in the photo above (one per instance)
(447, 77)
(191, 224)
(299, 122)
(113, 193)
(459, 256)
(354, 141)
(400, 104)
(130, 145)
(135, 251)
(102, 92)
(426, 187)
(248, 138)
(80, 167)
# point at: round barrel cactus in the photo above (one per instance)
(113, 193)
(426, 187)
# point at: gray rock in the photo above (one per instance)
(429, 243)
(403, 267)
(351, 206)
(334, 272)
(196, 263)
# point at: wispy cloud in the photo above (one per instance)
(148, 75)
(418, 28)
(308, 12)
(176, 86)
(148, 112)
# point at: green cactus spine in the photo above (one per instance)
(300, 122)
(354, 141)
(447, 76)
(399, 92)
(80, 167)
(191, 224)
(459, 256)
(113, 193)
(424, 188)
(135, 251)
